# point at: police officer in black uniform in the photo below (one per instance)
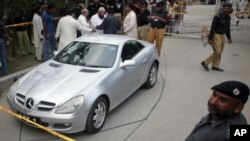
(220, 27)
(158, 21)
(224, 106)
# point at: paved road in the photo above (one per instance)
(167, 112)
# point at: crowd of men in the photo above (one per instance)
(147, 20)
(139, 19)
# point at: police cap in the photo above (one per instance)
(227, 4)
(233, 89)
(160, 4)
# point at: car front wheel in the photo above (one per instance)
(152, 76)
(97, 115)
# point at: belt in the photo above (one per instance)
(157, 27)
(142, 25)
(220, 33)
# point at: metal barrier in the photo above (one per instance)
(192, 27)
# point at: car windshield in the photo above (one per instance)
(88, 54)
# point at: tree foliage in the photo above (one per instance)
(16, 5)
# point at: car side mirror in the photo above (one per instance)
(55, 52)
(128, 63)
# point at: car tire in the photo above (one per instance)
(97, 115)
(152, 76)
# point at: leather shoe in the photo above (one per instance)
(203, 64)
(237, 22)
(217, 69)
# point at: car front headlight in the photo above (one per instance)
(71, 105)
(13, 89)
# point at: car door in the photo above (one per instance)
(131, 76)
(141, 58)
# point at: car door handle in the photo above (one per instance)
(145, 60)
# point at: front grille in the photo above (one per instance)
(45, 106)
(42, 105)
(20, 99)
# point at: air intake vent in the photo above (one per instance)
(54, 65)
(20, 99)
(45, 106)
(89, 71)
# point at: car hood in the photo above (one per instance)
(54, 82)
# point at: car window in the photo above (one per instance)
(88, 54)
(130, 49)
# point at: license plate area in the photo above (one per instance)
(34, 119)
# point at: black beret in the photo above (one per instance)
(160, 4)
(233, 89)
(227, 4)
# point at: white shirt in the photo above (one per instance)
(130, 25)
(83, 21)
(37, 29)
(67, 30)
(95, 21)
(243, 5)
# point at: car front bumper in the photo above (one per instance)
(64, 123)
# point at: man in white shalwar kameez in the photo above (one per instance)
(83, 19)
(67, 29)
(129, 23)
(245, 8)
(97, 19)
(37, 33)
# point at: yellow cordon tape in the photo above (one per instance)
(57, 18)
(25, 23)
(36, 124)
(20, 24)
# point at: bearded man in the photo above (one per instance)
(224, 106)
(67, 29)
(97, 19)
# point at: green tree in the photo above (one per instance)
(14, 6)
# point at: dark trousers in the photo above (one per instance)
(170, 27)
(3, 57)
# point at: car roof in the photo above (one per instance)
(104, 38)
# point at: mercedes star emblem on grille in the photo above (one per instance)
(29, 104)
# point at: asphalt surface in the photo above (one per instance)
(168, 111)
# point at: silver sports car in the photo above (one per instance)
(92, 75)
